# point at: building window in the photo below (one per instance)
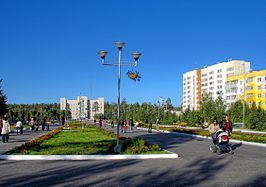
(259, 87)
(249, 87)
(219, 70)
(259, 95)
(219, 76)
(250, 95)
(230, 69)
(265, 95)
(259, 79)
(250, 79)
(211, 72)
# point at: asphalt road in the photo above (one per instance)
(195, 167)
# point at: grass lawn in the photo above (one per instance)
(89, 141)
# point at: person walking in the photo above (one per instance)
(213, 128)
(150, 127)
(122, 126)
(157, 125)
(32, 124)
(100, 123)
(19, 126)
(1, 125)
(131, 125)
(125, 126)
(5, 130)
(227, 125)
(112, 124)
(43, 125)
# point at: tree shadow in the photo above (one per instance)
(64, 175)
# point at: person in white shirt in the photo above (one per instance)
(19, 127)
(5, 130)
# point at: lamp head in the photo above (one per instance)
(119, 45)
(136, 56)
(103, 54)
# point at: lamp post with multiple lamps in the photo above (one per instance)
(136, 56)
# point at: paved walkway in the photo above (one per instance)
(197, 166)
(19, 139)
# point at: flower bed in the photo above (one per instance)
(260, 138)
(35, 142)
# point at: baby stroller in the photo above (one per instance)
(221, 143)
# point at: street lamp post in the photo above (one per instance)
(136, 56)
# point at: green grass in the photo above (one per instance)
(78, 142)
(89, 141)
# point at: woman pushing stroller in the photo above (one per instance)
(220, 136)
(213, 129)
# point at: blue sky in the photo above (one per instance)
(48, 49)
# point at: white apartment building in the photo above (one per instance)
(213, 80)
(81, 107)
(191, 90)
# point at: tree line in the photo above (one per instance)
(254, 117)
(145, 112)
(39, 112)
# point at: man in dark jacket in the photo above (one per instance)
(227, 125)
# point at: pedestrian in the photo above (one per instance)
(48, 125)
(100, 123)
(125, 127)
(227, 125)
(158, 125)
(19, 126)
(150, 127)
(32, 124)
(43, 125)
(5, 130)
(1, 125)
(122, 126)
(37, 126)
(112, 124)
(131, 125)
(213, 129)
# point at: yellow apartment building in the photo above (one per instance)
(252, 90)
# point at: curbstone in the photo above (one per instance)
(87, 157)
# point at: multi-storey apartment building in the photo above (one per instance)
(209, 80)
(81, 108)
(191, 89)
(250, 86)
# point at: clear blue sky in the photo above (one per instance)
(48, 49)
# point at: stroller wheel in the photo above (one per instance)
(219, 151)
(212, 148)
(229, 150)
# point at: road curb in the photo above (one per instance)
(207, 137)
(87, 157)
